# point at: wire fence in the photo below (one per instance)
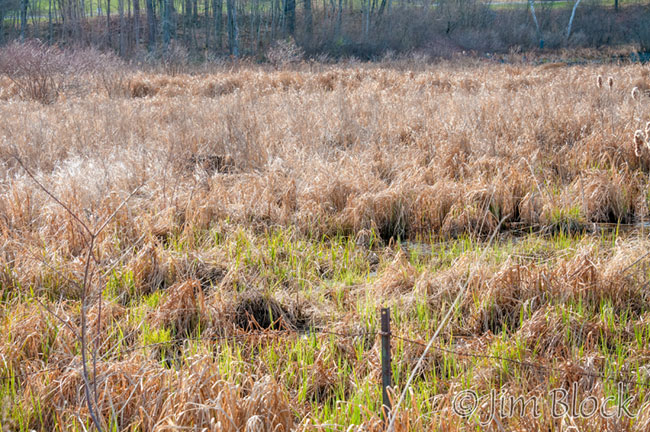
(292, 333)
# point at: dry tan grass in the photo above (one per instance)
(390, 153)
(157, 400)
(367, 151)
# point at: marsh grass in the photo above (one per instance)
(277, 204)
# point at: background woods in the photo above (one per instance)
(362, 28)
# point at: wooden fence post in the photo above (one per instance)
(386, 374)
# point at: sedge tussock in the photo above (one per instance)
(472, 218)
(547, 329)
(605, 197)
(583, 278)
(223, 87)
(109, 312)
(255, 310)
(140, 87)
(149, 268)
(182, 307)
(224, 406)
(387, 213)
(433, 204)
(323, 380)
(31, 330)
(501, 299)
(397, 278)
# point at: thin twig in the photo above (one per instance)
(44, 189)
(97, 231)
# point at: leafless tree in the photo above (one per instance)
(534, 15)
(573, 14)
(122, 41)
(23, 18)
(151, 25)
(309, 25)
(217, 12)
(136, 22)
(290, 16)
(233, 29)
(167, 23)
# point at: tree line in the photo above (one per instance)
(248, 27)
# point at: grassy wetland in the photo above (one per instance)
(254, 221)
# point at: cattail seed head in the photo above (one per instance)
(599, 81)
(610, 82)
(635, 93)
(638, 143)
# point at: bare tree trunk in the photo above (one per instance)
(208, 26)
(325, 10)
(120, 9)
(108, 22)
(279, 13)
(167, 24)
(136, 22)
(128, 29)
(50, 27)
(151, 25)
(32, 15)
(184, 7)
(81, 18)
(273, 19)
(539, 33)
(233, 31)
(309, 25)
(253, 17)
(258, 28)
(382, 6)
(72, 22)
(365, 6)
(573, 14)
(339, 18)
(23, 19)
(59, 12)
(195, 22)
(187, 21)
(217, 12)
(290, 16)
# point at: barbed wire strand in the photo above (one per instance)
(527, 364)
(365, 334)
(214, 338)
